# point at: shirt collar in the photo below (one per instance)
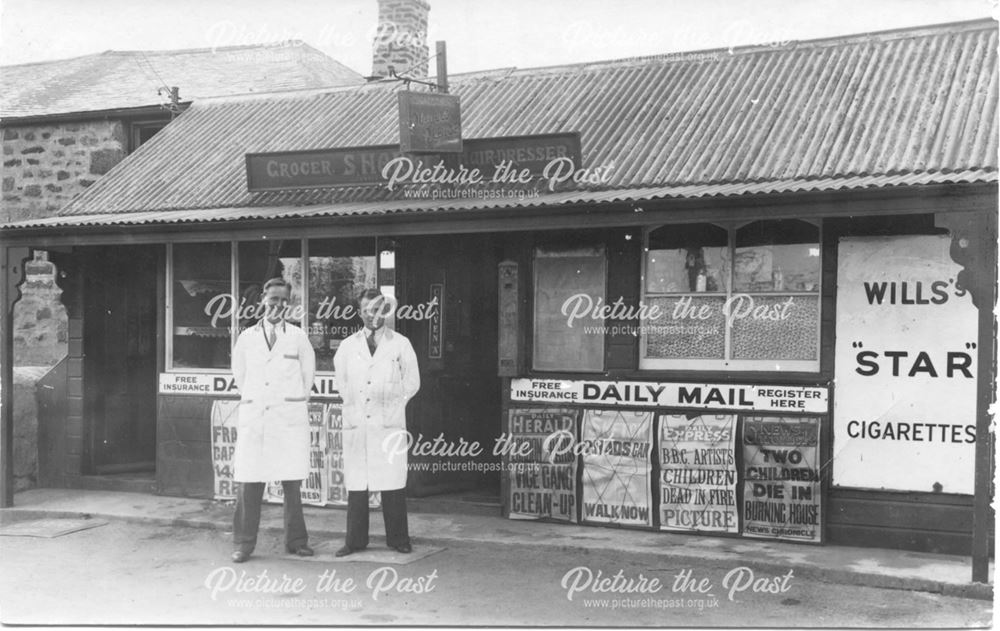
(268, 327)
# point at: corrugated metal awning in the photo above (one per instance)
(552, 200)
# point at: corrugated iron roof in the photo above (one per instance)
(127, 79)
(558, 199)
(916, 106)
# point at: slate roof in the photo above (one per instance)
(128, 79)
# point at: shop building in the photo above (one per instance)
(67, 122)
(720, 292)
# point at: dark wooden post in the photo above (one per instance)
(12, 262)
(974, 246)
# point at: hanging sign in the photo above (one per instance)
(616, 447)
(698, 473)
(905, 410)
(781, 480)
(429, 122)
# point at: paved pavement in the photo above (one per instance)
(872, 567)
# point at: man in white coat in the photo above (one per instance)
(377, 373)
(273, 364)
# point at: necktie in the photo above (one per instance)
(371, 343)
(272, 338)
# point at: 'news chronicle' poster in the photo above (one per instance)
(781, 483)
(616, 467)
(540, 451)
(698, 473)
(905, 410)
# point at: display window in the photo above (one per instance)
(733, 297)
(216, 291)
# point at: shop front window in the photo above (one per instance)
(733, 297)
(563, 276)
(338, 271)
(217, 290)
(200, 281)
(259, 262)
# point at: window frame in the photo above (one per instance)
(605, 265)
(234, 280)
(725, 363)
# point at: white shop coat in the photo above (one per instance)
(375, 390)
(272, 432)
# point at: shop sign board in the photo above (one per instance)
(770, 398)
(221, 384)
(698, 473)
(616, 447)
(429, 122)
(538, 447)
(781, 480)
(905, 411)
(378, 164)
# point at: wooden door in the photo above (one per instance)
(120, 359)
(460, 392)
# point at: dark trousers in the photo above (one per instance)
(246, 521)
(397, 531)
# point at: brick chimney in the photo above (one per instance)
(401, 38)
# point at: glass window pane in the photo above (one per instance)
(688, 259)
(690, 327)
(260, 261)
(559, 276)
(775, 327)
(777, 256)
(201, 305)
(339, 270)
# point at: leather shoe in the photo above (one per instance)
(240, 556)
(346, 550)
(302, 550)
(404, 548)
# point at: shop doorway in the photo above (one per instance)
(460, 390)
(119, 367)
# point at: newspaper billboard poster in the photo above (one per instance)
(781, 481)
(336, 492)
(313, 489)
(905, 411)
(698, 473)
(539, 447)
(224, 421)
(616, 447)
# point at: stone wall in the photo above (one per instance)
(46, 165)
(26, 426)
(40, 319)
